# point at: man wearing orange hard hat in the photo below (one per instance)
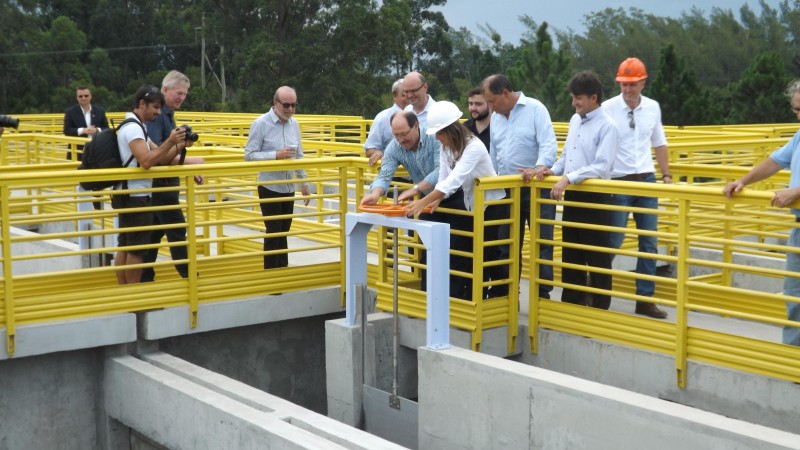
(638, 120)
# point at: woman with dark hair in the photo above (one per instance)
(463, 159)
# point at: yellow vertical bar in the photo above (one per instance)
(682, 276)
(477, 265)
(533, 271)
(8, 275)
(343, 171)
(191, 244)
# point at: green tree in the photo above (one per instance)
(683, 101)
(758, 96)
(543, 73)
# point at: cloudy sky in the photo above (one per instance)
(568, 14)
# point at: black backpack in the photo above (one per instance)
(102, 152)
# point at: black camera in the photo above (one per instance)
(190, 136)
(8, 121)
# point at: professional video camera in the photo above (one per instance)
(8, 121)
(190, 136)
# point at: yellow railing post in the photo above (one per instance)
(191, 242)
(681, 296)
(8, 273)
(477, 266)
(533, 270)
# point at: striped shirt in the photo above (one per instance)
(421, 164)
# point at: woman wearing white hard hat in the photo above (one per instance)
(463, 159)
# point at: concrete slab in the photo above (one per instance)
(171, 322)
(89, 332)
(496, 403)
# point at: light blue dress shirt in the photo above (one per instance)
(788, 156)
(524, 139)
(380, 133)
(268, 135)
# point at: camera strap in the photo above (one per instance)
(183, 155)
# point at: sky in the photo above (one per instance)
(568, 14)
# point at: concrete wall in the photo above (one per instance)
(286, 358)
(50, 401)
(476, 401)
(741, 395)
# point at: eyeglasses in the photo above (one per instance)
(632, 123)
(403, 135)
(412, 91)
(84, 96)
(287, 105)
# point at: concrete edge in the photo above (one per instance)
(721, 425)
(170, 322)
(77, 334)
(292, 414)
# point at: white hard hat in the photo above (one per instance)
(442, 114)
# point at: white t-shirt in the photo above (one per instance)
(125, 135)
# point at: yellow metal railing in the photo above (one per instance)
(225, 228)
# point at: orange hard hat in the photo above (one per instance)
(632, 69)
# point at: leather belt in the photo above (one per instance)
(634, 176)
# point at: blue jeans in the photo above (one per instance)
(791, 287)
(647, 244)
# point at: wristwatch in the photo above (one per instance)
(416, 188)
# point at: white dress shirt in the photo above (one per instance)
(634, 154)
(590, 148)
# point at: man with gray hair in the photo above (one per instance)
(380, 133)
(786, 157)
(175, 87)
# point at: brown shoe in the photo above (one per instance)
(650, 310)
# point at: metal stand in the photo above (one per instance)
(388, 414)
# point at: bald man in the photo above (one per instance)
(276, 135)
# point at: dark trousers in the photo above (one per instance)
(545, 232)
(593, 238)
(460, 287)
(167, 217)
(276, 226)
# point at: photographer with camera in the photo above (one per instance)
(175, 87)
(7, 121)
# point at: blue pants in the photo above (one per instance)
(647, 244)
(791, 287)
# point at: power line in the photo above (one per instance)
(78, 52)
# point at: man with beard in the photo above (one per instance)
(479, 119)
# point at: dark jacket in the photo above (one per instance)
(73, 119)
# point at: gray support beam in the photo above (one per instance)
(182, 406)
(496, 403)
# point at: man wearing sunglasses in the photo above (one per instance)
(638, 120)
(415, 88)
(83, 119)
(276, 136)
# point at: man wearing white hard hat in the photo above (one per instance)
(463, 159)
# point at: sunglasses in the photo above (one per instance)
(287, 105)
(631, 122)
(83, 96)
